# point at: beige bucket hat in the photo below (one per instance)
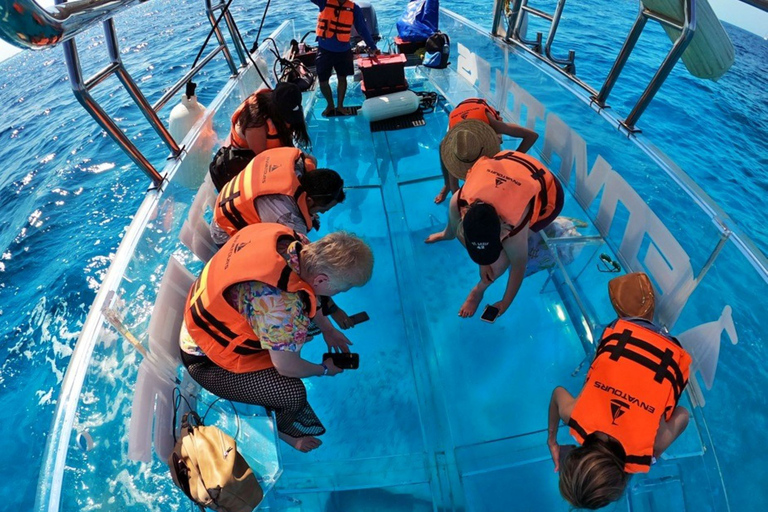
(465, 143)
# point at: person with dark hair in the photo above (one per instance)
(334, 52)
(270, 118)
(507, 196)
(280, 185)
(626, 414)
(267, 119)
(247, 318)
(479, 110)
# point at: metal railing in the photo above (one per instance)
(515, 12)
(82, 87)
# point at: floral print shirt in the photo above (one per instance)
(278, 318)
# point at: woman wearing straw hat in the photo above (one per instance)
(478, 109)
(507, 195)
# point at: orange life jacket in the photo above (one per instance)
(637, 376)
(336, 19)
(273, 139)
(510, 181)
(271, 172)
(473, 108)
(220, 331)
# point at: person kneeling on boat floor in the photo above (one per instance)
(625, 416)
(334, 50)
(267, 119)
(283, 186)
(247, 317)
(478, 109)
(505, 198)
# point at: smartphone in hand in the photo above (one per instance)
(344, 360)
(490, 314)
(359, 318)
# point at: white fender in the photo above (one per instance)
(183, 117)
(390, 105)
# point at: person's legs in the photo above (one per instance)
(341, 91)
(440, 197)
(325, 88)
(324, 68)
(344, 67)
(285, 395)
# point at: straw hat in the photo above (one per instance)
(465, 143)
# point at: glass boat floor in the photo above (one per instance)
(444, 413)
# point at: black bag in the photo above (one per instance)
(438, 50)
(228, 163)
(297, 73)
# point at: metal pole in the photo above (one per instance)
(621, 60)
(551, 38)
(81, 93)
(220, 37)
(133, 89)
(689, 28)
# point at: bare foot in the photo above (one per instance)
(440, 197)
(470, 305)
(342, 111)
(329, 111)
(435, 237)
(303, 444)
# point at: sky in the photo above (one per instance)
(731, 11)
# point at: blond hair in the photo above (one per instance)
(343, 257)
(591, 477)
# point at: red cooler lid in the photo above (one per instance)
(369, 62)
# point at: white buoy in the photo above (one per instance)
(183, 118)
(390, 105)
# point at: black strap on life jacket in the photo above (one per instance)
(626, 345)
(227, 205)
(225, 336)
(536, 173)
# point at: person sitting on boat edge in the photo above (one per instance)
(625, 416)
(480, 110)
(334, 52)
(280, 185)
(247, 317)
(283, 186)
(267, 119)
(506, 196)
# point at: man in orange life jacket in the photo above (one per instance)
(507, 195)
(334, 28)
(479, 110)
(626, 414)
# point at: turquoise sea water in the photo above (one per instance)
(68, 193)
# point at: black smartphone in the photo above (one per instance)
(359, 318)
(490, 314)
(344, 360)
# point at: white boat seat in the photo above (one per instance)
(710, 53)
(195, 233)
(155, 382)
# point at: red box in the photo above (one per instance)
(372, 93)
(383, 72)
(409, 47)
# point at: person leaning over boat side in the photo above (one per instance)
(505, 197)
(281, 185)
(247, 317)
(480, 110)
(334, 52)
(625, 416)
(267, 119)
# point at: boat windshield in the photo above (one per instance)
(444, 413)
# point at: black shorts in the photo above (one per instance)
(327, 62)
